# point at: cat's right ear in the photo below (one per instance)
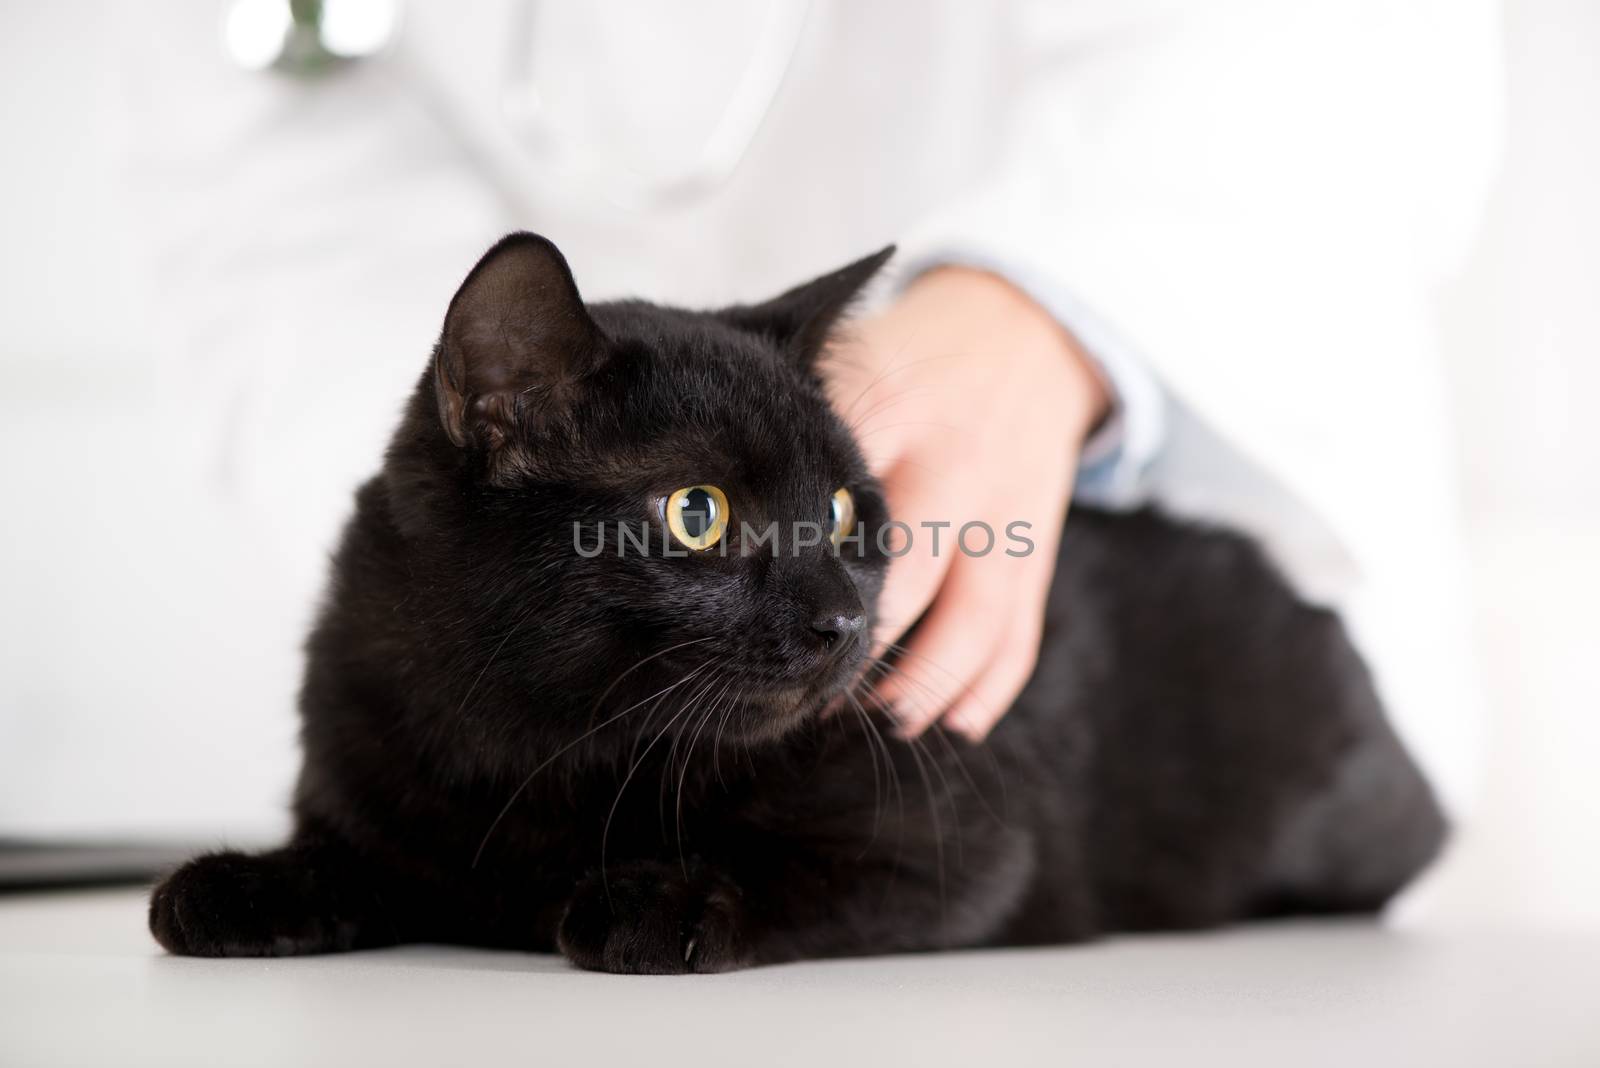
(801, 320)
(516, 337)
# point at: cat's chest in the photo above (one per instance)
(660, 810)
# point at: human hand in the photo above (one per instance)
(971, 404)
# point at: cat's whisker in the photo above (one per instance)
(919, 750)
(899, 797)
(961, 765)
(553, 757)
(656, 709)
(941, 701)
(894, 366)
(716, 741)
(684, 738)
(885, 404)
(495, 655)
(938, 700)
(918, 741)
(963, 688)
(691, 704)
(877, 781)
(639, 664)
(953, 429)
(955, 814)
(605, 834)
(938, 827)
(683, 773)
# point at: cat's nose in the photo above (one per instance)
(838, 629)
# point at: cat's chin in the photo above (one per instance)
(781, 713)
(779, 716)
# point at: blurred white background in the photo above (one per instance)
(1522, 334)
(109, 557)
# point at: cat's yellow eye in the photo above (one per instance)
(841, 516)
(697, 516)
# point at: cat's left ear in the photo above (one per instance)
(801, 319)
(517, 336)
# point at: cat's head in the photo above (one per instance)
(553, 438)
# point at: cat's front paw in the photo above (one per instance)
(650, 919)
(236, 905)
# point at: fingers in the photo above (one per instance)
(979, 642)
(991, 695)
(975, 650)
(914, 578)
(949, 651)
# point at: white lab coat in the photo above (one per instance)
(1242, 206)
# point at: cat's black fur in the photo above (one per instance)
(631, 760)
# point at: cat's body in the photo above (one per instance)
(636, 761)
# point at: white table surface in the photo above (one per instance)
(82, 984)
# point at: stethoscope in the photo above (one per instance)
(306, 39)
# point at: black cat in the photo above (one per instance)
(670, 760)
